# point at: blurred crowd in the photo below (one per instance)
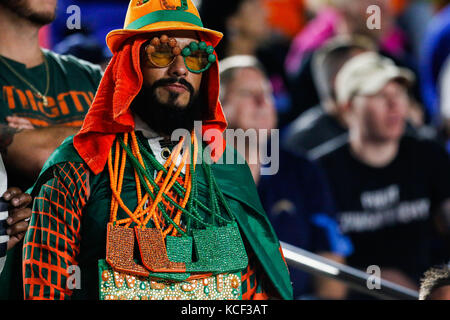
(362, 101)
(364, 175)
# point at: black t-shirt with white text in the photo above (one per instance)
(388, 211)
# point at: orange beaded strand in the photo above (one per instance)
(162, 189)
(140, 216)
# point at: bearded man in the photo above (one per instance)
(200, 228)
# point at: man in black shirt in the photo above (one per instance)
(390, 189)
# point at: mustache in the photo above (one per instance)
(169, 81)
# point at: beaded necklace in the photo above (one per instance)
(218, 244)
(163, 191)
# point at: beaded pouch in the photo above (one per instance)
(119, 253)
(114, 285)
(218, 250)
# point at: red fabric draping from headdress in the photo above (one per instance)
(110, 111)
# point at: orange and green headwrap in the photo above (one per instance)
(110, 112)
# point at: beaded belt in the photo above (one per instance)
(120, 286)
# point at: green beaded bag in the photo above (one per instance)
(218, 250)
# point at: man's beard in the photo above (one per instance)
(164, 118)
(21, 8)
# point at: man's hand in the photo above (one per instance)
(19, 123)
(19, 215)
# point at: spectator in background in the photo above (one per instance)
(348, 17)
(247, 31)
(45, 98)
(324, 127)
(435, 284)
(296, 199)
(391, 190)
(45, 95)
(246, 96)
(339, 17)
(243, 22)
